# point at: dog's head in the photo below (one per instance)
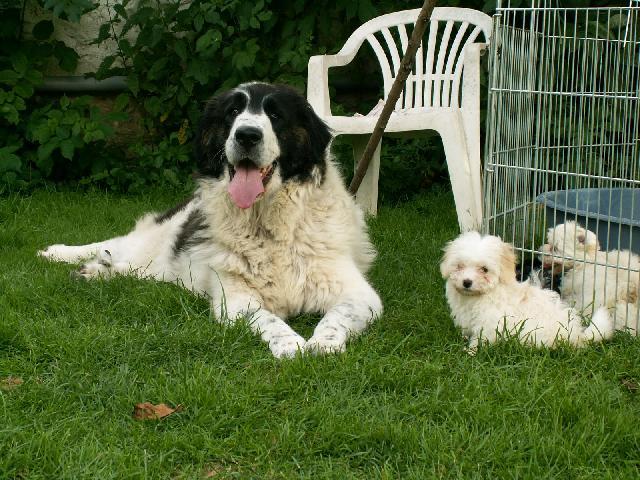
(566, 243)
(474, 264)
(258, 136)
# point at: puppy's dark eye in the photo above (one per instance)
(274, 116)
(484, 270)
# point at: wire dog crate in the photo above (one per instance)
(563, 143)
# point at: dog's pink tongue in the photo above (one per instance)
(245, 186)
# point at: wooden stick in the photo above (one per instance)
(394, 93)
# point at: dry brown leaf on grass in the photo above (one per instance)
(630, 384)
(9, 383)
(149, 411)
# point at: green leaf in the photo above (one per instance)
(180, 47)
(122, 101)
(25, 90)
(153, 105)
(125, 46)
(45, 150)
(9, 160)
(133, 82)
(183, 97)
(120, 10)
(157, 68)
(199, 70)
(19, 62)
(42, 30)
(64, 102)
(103, 34)
(9, 77)
(67, 148)
(198, 22)
(105, 65)
(67, 57)
(209, 39)
(10, 114)
(34, 77)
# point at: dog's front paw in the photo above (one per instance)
(287, 346)
(321, 344)
(56, 252)
(100, 266)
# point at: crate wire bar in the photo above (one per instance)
(564, 115)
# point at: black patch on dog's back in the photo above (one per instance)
(191, 232)
(163, 217)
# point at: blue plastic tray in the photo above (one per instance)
(613, 213)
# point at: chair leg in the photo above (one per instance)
(367, 195)
(463, 183)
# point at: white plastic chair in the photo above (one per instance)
(437, 96)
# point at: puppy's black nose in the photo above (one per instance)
(466, 283)
(248, 136)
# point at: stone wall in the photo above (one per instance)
(76, 35)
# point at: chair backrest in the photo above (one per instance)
(436, 76)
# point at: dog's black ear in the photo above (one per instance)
(210, 138)
(319, 134)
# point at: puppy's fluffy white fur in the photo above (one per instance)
(591, 277)
(487, 301)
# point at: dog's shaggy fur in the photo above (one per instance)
(487, 301)
(270, 233)
(592, 278)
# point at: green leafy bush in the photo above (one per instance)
(34, 135)
(174, 55)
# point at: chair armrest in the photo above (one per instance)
(318, 73)
(471, 76)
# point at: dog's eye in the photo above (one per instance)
(484, 270)
(232, 112)
(274, 116)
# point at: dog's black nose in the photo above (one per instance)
(248, 136)
(467, 283)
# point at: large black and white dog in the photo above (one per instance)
(270, 232)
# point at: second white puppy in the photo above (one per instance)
(487, 301)
(592, 278)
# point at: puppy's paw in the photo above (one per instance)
(321, 344)
(99, 266)
(56, 253)
(287, 346)
(472, 347)
(471, 351)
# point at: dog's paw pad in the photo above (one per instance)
(287, 347)
(93, 269)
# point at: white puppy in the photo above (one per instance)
(487, 301)
(593, 278)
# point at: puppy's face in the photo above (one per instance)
(474, 264)
(258, 136)
(567, 243)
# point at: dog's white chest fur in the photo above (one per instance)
(289, 247)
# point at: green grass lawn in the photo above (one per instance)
(404, 401)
